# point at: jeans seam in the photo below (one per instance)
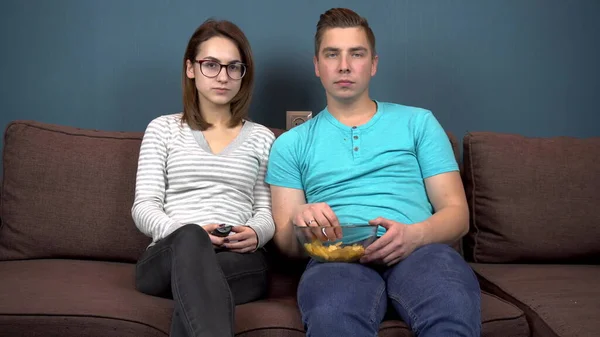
(229, 297)
(406, 307)
(152, 256)
(175, 285)
(375, 306)
(238, 275)
(184, 311)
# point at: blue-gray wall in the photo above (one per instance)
(529, 67)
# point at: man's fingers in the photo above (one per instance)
(380, 254)
(392, 259)
(315, 221)
(378, 244)
(383, 222)
(331, 217)
(320, 219)
(333, 220)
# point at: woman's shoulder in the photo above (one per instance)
(261, 132)
(166, 123)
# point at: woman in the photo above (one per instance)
(200, 172)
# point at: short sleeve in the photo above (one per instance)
(283, 167)
(434, 150)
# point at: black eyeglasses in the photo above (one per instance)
(212, 69)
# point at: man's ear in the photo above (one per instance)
(316, 63)
(374, 65)
(189, 69)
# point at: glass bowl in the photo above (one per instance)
(345, 243)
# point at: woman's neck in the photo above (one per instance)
(216, 114)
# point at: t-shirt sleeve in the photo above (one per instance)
(283, 167)
(433, 147)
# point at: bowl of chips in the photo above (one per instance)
(345, 243)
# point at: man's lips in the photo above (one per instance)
(344, 82)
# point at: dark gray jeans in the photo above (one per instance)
(205, 284)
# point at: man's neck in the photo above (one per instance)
(352, 113)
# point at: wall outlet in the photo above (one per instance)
(295, 118)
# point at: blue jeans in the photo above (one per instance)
(433, 290)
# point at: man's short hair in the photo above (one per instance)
(342, 18)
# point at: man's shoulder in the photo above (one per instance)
(289, 138)
(396, 110)
(299, 134)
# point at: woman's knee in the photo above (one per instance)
(190, 236)
(246, 275)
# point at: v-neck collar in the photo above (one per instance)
(232, 146)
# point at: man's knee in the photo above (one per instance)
(341, 289)
(434, 268)
(441, 258)
(439, 251)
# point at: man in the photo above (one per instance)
(361, 160)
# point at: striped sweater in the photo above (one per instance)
(180, 181)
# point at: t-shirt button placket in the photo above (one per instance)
(355, 142)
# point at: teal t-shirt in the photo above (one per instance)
(364, 172)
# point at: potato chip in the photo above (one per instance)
(335, 252)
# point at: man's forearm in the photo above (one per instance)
(447, 225)
(288, 244)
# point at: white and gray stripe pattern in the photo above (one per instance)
(180, 181)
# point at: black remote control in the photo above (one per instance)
(222, 231)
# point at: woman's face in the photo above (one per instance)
(215, 83)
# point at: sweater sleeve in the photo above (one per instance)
(147, 211)
(262, 219)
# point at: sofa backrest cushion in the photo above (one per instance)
(68, 192)
(532, 199)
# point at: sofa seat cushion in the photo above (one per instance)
(271, 317)
(499, 317)
(93, 298)
(78, 298)
(559, 300)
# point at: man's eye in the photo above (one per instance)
(330, 55)
(357, 55)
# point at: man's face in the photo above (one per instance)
(345, 63)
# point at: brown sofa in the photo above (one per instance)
(68, 245)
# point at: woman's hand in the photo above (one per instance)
(246, 238)
(217, 241)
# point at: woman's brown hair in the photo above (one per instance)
(241, 102)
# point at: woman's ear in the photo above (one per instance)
(189, 69)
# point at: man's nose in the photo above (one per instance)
(344, 65)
